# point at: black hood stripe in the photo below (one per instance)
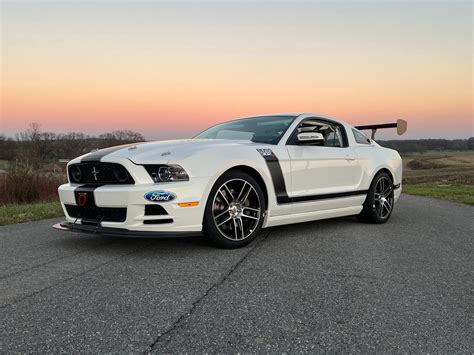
(99, 154)
(278, 180)
(95, 157)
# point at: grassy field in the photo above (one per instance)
(447, 175)
(10, 214)
(4, 165)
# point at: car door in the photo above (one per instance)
(324, 175)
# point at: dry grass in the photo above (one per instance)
(439, 167)
(447, 175)
(24, 185)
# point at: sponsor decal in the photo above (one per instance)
(265, 152)
(159, 196)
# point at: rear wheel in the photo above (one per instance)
(378, 206)
(234, 211)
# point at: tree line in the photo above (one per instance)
(34, 148)
(423, 145)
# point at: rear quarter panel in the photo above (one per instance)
(374, 158)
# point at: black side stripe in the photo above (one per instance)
(278, 180)
(328, 196)
(99, 154)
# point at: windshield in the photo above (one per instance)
(263, 129)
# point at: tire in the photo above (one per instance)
(235, 210)
(378, 206)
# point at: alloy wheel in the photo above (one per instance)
(236, 209)
(383, 202)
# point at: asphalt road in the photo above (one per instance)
(337, 285)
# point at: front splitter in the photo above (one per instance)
(119, 232)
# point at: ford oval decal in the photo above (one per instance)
(160, 196)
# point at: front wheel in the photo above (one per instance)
(378, 205)
(234, 211)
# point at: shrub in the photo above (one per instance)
(26, 185)
(417, 164)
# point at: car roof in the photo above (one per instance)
(299, 114)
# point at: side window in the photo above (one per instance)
(332, 139)
(360, 137)
(331, 132)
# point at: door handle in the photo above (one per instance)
(350, 157)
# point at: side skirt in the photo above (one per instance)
(312, 216)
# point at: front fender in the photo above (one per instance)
(213, 164)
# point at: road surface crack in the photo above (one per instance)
(72, 277)
(37, 266)
(182, 318)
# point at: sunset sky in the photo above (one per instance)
(170, 69)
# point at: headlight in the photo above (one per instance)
(166, 173)
(75, 174)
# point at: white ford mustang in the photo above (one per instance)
(234, 179)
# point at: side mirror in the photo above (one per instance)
(308, 137)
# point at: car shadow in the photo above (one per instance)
(74, 240)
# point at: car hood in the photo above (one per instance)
(163, 152)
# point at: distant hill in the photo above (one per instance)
(423, 145)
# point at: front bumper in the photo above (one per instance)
(176, 220)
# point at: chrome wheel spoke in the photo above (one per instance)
(224, 221)
(221, 214)
(379, 209)
(240, 223)
(229, 192)
(225, 199)
(246, 194)
(387, 191)
(378, 186)
(251, 209)
(235, 229)
(242, 191)
(251, 217)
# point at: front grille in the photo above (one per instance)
(106, 214)
(99, 173)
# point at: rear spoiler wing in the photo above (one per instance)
(400, 125)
